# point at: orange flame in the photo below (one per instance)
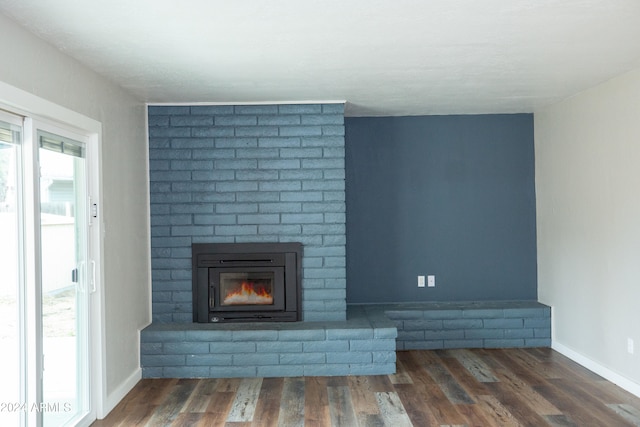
(248, 293)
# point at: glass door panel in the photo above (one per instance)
(246, 288)
(11, 328)
(65, 269)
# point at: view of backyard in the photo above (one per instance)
(59, 294)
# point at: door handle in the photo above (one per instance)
(92, 277)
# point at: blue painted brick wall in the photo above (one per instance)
(248, 173)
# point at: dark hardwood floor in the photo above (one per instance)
(510, 387)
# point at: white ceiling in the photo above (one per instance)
(384, 57)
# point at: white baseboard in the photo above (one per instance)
(119, 393)
(619, 380)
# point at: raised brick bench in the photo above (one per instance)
(364, 344)
(492, 324)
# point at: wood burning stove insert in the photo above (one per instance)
(247, 282)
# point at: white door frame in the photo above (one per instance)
(23, 103)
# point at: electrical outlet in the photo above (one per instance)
(629, 345)
(431, 281)
(421, 281)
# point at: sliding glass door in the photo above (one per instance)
(65, 277)
(47, 275)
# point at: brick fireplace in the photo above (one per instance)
(257, 175)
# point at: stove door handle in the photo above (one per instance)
(212, 296)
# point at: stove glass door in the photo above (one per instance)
(244, 288)
(247, 289)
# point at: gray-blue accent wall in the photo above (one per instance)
(450, 196)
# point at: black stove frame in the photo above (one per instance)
(284, 260)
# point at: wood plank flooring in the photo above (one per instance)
(479, 387)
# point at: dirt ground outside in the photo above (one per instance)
(58, 315)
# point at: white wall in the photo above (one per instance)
(588, 222)
(32, 65)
